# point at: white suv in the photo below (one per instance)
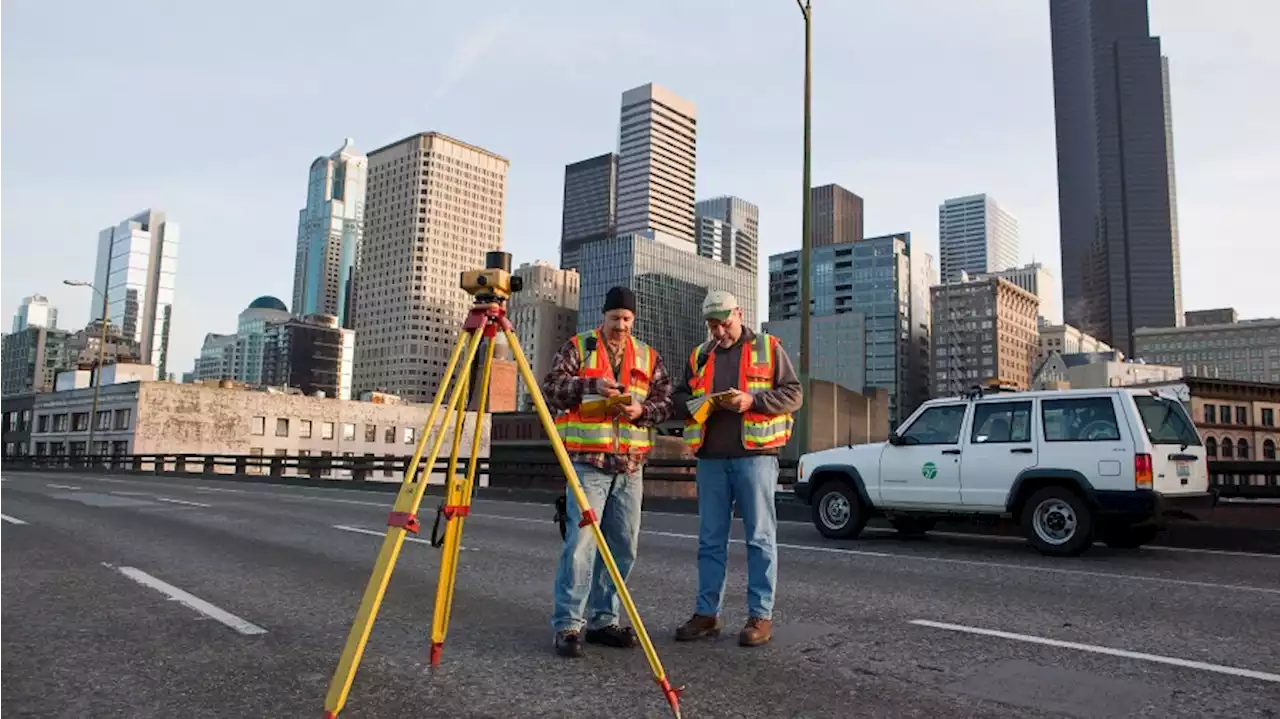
(1070, 466)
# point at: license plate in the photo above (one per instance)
(1184, 469)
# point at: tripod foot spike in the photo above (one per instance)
(672, 694)
(437, 648)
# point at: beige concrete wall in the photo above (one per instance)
(1119, 374)
(198, 419)
(840, 416)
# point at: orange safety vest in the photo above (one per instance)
(755, 374)
(611, 435)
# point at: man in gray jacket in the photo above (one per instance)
(754, 392)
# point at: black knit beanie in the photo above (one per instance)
(619, 298)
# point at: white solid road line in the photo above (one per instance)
(944, 560)
(375, 533)
(194, 602)
(1190, 664)
(182, 501)
(11, 520)
(63, 486)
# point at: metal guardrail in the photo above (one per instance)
(519, 467)
(541, 464)
(522, 466)
(358, 468)
(1234, 479)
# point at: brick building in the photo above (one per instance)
(983, 330)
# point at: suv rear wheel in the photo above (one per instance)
(838, 513)
(1057, 522)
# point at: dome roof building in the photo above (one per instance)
(267, 302)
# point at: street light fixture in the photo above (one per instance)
(102, 351)
(802, 420)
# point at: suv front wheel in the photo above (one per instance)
(838, 513)
(1057, 522)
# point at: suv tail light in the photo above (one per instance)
(1142, 471)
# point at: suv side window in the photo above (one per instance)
(1088, 419)
(1001, 423)
(936, 425)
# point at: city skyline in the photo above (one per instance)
(900, 173)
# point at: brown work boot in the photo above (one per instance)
(700, 626)
(757, 631)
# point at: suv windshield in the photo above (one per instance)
(1166, 421)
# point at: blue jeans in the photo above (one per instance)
(750, 482)
(583, 585)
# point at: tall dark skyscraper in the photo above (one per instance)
(590, 205)
(837, 216)
(1117, 204)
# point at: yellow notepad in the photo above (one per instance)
(701, 407)
(595, 408)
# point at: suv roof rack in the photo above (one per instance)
(991, 386)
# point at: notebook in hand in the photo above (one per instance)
(595, 408)
(701, 407)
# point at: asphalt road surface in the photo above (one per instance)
(127, 596)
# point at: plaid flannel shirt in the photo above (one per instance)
(563, 390)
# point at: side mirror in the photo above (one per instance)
(894, 439)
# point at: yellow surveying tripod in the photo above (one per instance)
(491, 287)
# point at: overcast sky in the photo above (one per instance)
(215, 112)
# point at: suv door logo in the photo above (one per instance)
(929, 470)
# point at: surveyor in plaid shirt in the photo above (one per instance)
(608, 451)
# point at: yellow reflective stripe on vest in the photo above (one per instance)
(693, 435)
(771, 432)
(583, 437)
(761, 354)
(643, 361)
(598, 436)
(580, 342)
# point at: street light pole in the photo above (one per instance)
(102, 352)
(806, 245)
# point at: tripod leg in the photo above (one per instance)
(671, 694)
(457, 507)
(449, 557)
(403, 519)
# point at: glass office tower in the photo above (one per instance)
(873, 277)
(136, 266)
(670, 281)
